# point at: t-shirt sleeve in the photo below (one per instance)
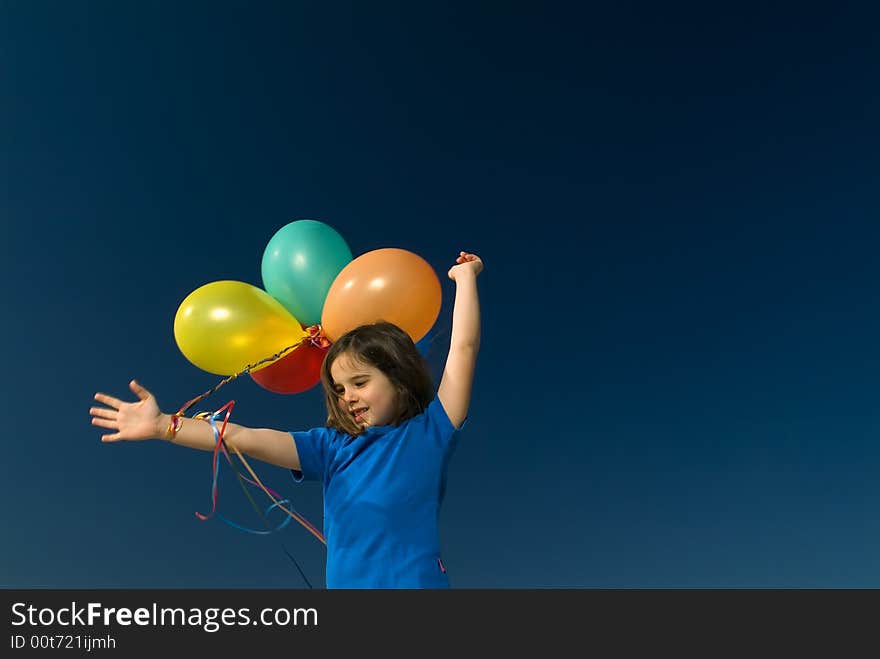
(438, 423)
(313, 449)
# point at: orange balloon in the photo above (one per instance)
(387, 284)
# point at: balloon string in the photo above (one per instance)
(299, 518)
(255, 531)
(314, 335)
(253, 503)
(220, 444)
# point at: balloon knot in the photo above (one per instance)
(317, 337)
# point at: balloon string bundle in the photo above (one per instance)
(220, 444)
(316, 337)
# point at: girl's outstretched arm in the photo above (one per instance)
(144, 420)
(464, 344)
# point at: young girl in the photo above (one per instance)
(382, 456)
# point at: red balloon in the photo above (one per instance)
(296, 372)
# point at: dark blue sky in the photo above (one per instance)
(678, 212)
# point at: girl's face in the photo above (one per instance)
(363, 391)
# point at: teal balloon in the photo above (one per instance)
(300, 263)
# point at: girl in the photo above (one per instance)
(382, 456)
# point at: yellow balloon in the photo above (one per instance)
(223, 326)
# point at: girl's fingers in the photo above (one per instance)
(105, 423)
(103, 412)
(108, 400)
(111, 438)
(142, 393)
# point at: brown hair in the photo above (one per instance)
(391, 350)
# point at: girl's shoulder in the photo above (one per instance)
(435, 419)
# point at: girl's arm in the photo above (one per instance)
(144, 420)
(464, 344)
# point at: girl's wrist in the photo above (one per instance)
(162, 426)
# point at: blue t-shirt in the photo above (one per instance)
(382, 496)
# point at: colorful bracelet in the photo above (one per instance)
(173, 426)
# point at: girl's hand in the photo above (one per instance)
(470, 263)
(131, 421)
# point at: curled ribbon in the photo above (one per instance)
(317, 337)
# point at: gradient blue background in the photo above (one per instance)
(678, 212)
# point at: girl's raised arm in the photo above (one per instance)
(464, 344)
